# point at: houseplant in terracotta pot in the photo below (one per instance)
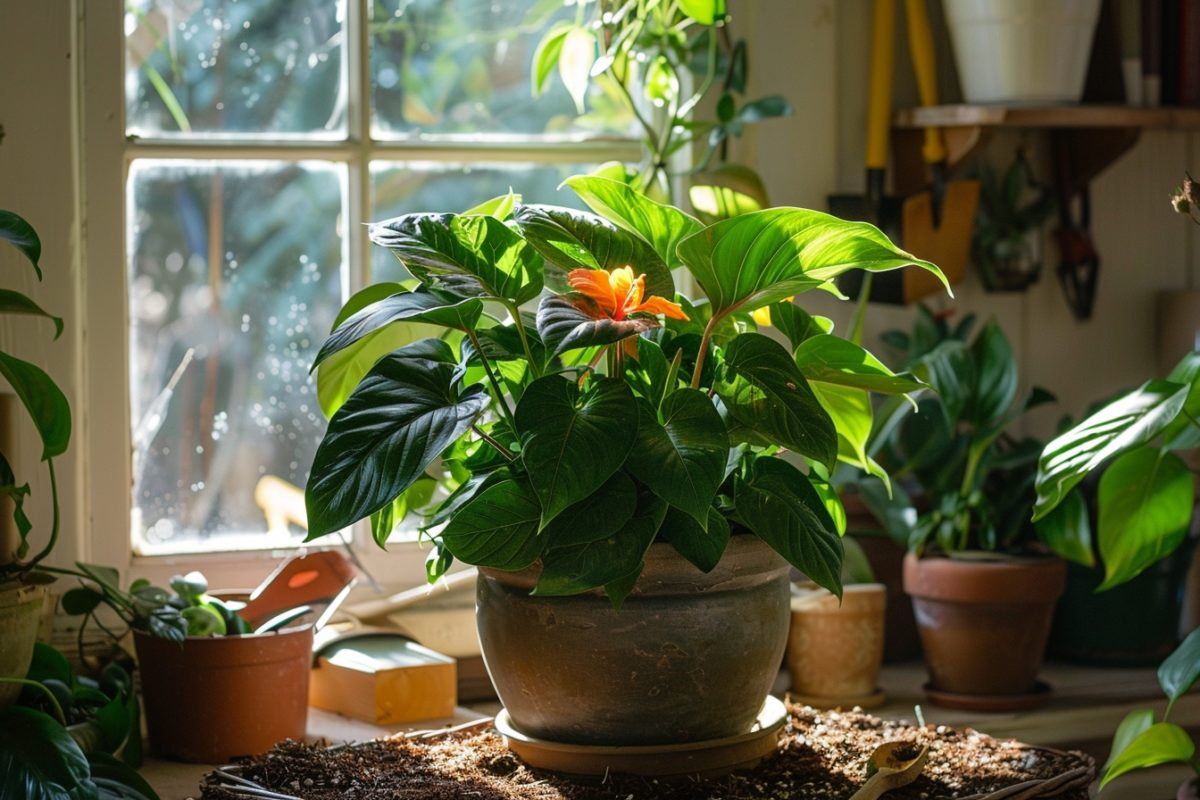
(614, 459)
(23, 587)
(983, 579)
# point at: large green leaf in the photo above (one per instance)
(545, 57)
(399, 419)
(850, 410)
(44, 401)
(38, 758)
(950, 370)
(1179, 671)
(995, 375)
(706, 12)
(14, 229)
(1161, 743)
(1135, 723)
(682, 459)
(703, 545)
(339, 374)
(597, 516)
(463, 255)
(832, 359)
(571, 570)
(570, 445)
(1067, 530)
(500, 207)
(661, 225)
(497, 527)
(1128, 421)
(765, 391)
(16, 303)
(1145, 503)
(779, 504)
(758, 258)
(1183, 433)
(418, 306)
(797, 324)
(563, 326)
(569, 239)
(117, 780)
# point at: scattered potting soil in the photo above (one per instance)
(822, 756)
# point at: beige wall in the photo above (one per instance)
(812, 51)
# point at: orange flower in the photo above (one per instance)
(619, 294)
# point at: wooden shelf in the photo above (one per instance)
(1092, 136)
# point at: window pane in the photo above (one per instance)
(243, 263)
(463, 67)
(405, 188)
(234, 66)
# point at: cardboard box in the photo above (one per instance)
(383, 678)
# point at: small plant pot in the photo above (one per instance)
(835, 651)
(209, 700)
(20, 617)
(984, 626)
(1189, 790)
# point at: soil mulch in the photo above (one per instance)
(821, 756)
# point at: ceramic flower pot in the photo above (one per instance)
(211, 699)
(984, 626)
(689, 657)
(835, 650)
(20, 616)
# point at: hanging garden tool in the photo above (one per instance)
(935, 224)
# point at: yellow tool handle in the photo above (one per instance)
(920, 45)
(879, 98)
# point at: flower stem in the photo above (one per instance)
(700, 356)
(501, 449)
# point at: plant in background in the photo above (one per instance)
(619, 413)
(72, 736)
(1006, 246)
(652, 51)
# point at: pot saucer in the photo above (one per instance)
(873, 700)
(705, 759)
(1039, 697)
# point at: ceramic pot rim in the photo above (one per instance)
(1017, 582)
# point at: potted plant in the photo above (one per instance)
(23, 587)
(247, 689)
(983, 579)
(1006, 246)
(615, 459)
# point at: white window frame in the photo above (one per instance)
(103, 158)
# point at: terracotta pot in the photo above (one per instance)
(209, 700)
(20, 617)
(689, 657)
(984, 624)
(835, 651)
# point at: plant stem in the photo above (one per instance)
(45, 551)
(700, 356)
(497, 392)
(515, 313)
(58, 711)
(860, 309)
(504, 451)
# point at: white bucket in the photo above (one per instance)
(1022, 51)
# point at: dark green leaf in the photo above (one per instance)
(1145, 505)
(795, 323)
(1067, 531)
(620, 588)
(579, 568)
(995, 375)
(950, 370)
(765, 256)
(569, 239)
(38, 758)
(463, 255)
(48, 663)
(831, 359)
(399, 419)
(571, 445)
(1179, 671)
(650, 372)
(662, 226)
(562, 325)
(764, 108)
(107, 577)
(1162, 743)
(779, 504)
(701, 545)
(16, 303)
(418, 306)
(167, 623)
(119, 779)
(497, 527)
(597, 516)
(81, 600)
(44, 401)
(682, 459)
(21, 234)
(1133, 419)
(764, 390)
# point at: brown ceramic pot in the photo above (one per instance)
(690, 656)
(984, 624)
(209, 700)
(835, 650)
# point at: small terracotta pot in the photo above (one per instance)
(690, 657)
(211, 699)
(835, 651)
(984, 624)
